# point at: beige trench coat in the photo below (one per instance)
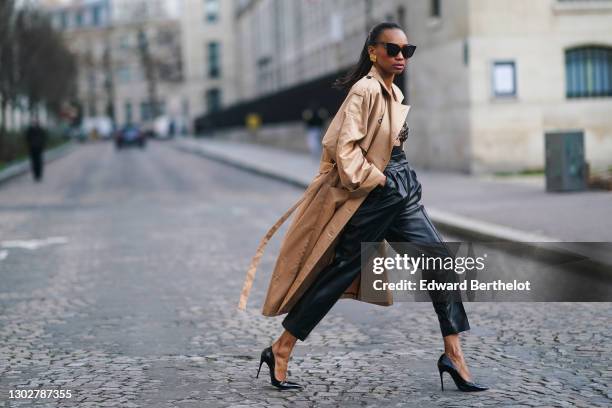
(356, 148)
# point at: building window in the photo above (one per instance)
(213, 100)
(60, 20)
(264, 74)
(211, 10)
(504, 78)
(146, 110)
(79, 19)
(588, 72)
(214, 69)
(93, 110)
(435, 8)
(124, 42)
(63, 20)
(57, 22)
(96, 16)
(124, 74)
(128, 112)
(161, 108)
(165, 37)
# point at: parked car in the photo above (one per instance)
(130, 135)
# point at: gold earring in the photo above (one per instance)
(372, 58)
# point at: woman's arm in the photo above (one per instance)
(355, 171)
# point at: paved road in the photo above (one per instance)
(120, 273)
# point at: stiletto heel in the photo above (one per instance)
(267, 356)
(261, 361)
(445, 364)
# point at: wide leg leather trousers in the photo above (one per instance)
(393, 212)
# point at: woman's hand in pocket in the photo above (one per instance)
(384, 182)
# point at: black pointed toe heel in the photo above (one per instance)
(445, 364)
(267, 356)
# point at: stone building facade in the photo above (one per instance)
(111, 39)
(487, 81)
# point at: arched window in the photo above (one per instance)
(588, 72)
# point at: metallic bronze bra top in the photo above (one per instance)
(403, 134)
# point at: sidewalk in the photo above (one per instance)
(23, 166)
(516, 209)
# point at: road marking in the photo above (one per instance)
(33, 243)
(3, 255)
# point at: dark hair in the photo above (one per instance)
(364, 64)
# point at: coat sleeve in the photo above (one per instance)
(355, 171)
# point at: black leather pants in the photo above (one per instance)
(394, 213)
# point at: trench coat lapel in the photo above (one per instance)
(395, 93)
(397, 110)
(397, 116)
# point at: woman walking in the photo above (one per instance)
(365, 192)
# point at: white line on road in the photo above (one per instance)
(33, 243)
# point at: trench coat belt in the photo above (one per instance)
(324, 168)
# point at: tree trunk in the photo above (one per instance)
(3, 106)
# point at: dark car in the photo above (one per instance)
(130, 135)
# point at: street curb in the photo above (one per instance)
(23, 166)
(483, 231)
(242, 166)
(467, 227)
(447, 221)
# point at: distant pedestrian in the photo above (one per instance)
(314, 118)
(36, 138)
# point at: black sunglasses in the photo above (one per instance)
(393, 49)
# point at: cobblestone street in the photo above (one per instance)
(120, 275)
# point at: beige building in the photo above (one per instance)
(487, 81)
(209, 55)
(286, 43)
(495, 76)
(132, 84)
(129, 55)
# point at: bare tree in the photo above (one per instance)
(8, 81)
(150, 70)
(109, 80)
(47, 69)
